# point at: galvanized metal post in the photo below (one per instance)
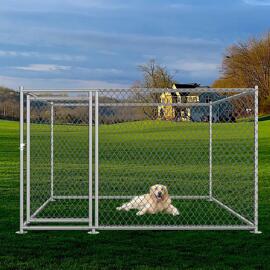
(90, 160)
(93, 231)
(256, 196)
(52, 152)
(96, 160)
(21, 231)
(27, 159)
(210, 150)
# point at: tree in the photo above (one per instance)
(154, 76)
(9, 104)
(247, 64)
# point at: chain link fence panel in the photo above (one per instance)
(187, 155)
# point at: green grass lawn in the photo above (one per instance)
(136, 155)
(156, 154)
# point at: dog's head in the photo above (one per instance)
(159, 192)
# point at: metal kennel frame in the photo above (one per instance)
(90, 99)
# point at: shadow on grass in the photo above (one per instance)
(264, 118)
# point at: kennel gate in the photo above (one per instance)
(90, 150)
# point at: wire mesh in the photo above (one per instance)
(151, 142)
(233, 155)
(69, 169)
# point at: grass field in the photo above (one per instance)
(129, 249)
(136, 155)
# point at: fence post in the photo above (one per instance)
(210, 150)
(21, 231)
(90, 176)
(27, 159)
(93, 231)
(256, 196)
(52, 151)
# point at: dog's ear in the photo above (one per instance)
(152, 192)
(166, 194)
(166, 189)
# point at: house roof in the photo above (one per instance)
(186, 85)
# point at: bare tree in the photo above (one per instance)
(154, 76)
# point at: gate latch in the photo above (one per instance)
(22, 145)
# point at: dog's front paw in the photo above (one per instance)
(122, 208)
(176, 213)
(140, 213)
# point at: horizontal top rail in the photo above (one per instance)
(231, 97)
(139, 104)
(134, 90)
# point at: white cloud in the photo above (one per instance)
(57, 83)
(44, 68)
(257, 2)
(96, 71)
(88, 39)
(68, 6)
(191, 66)
(51, 56)
(64, 57)
(101, 4)
(8, 53)
(114, 71)
(108, 52)
(195, 68)
(181, 6)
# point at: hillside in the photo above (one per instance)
(9, 104)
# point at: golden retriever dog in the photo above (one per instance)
(157, 200)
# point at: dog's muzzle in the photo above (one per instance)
(159, 196)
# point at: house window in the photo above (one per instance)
(193, 99)
(208, 99)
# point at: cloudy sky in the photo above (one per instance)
(99, 43)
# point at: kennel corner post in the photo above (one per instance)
(210, 150)
(52, 150)
(90, 161)
(28, 158)
(96, 158)
(21, 231)
(93, 229)
(256, 199)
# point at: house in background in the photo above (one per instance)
(221, 112)
(174, 112)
